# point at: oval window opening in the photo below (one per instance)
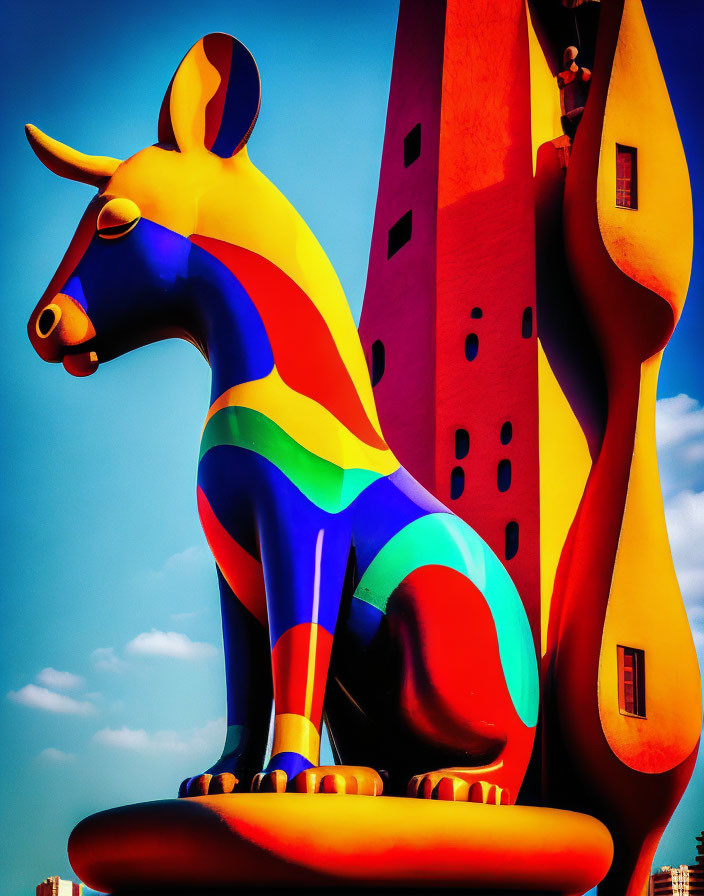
(378, 361)
(461, 443)
(476, 313)
(527, 323)
(456, 483)
(503, 475)
(506, 433)
(471, 346)
(511, 542)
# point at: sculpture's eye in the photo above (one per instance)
(117, 217)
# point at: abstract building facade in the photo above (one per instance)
(55, 886)
(531, 254)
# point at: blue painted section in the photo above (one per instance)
(241, 101)
(291, 763)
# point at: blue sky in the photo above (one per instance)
(103, 549)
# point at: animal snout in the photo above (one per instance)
(57, 326)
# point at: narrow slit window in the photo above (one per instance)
(506, 433)
(527, 323)
(626, 176)
(471, 346)
(631, 681)
(503, 475)
(400, 233)
(456, 482)
(511, 540)
(476, 313)
(461, 443)
(378, 361)
(411, 146)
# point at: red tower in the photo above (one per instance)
(448, 323)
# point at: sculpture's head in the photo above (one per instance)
(129, 259)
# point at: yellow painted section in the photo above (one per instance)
(564, 468)
(309, 423)
(653, 244)
(294, 733)
(195, 83)
(545, 109)
(231, 200)
(645, 610)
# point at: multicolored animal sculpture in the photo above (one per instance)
(346, 588)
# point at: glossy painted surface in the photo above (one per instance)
(299, 495)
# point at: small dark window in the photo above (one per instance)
(461, 443)
(471, 346)
(503, 475)
(476, 313)
(378, 361)
(527, 323)
(400, 234)
(411, 146)
(506, 433)
(456, 482)
(626, 176)
(631, 681)
(511, 540)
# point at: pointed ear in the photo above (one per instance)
(213, 99)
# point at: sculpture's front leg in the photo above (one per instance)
(304, 555)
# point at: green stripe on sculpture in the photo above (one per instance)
(439, 539)
(325, 484)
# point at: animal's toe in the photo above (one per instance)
(355, 779)
(270, 782)
(196, 786)
(334, 783)
(223, 783)
(489, 794)
(453, 789)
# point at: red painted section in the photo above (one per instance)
(462, 70)
(300, 339)
(454, 692)
(241, 571)
(290, 663)
(399, 303)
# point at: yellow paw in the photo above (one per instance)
(202, 785)
(339, 779)
(444, 786)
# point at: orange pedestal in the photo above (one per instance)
(269, 840)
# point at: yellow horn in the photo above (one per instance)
(70, 163)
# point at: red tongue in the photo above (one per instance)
(81, 365)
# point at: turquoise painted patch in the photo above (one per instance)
(440, 539)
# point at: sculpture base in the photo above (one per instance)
(269, 840)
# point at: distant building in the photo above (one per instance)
(687, 880)
(700, 850)
(54, 886)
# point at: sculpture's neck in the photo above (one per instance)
(226, 325)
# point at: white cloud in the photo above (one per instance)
(106, 660)
(206, 740)
(43, 698)
(192, 559)
(171, 644)
(65, 681)
(183, 617)
(51, 754)
(679, 427)
(680, 437)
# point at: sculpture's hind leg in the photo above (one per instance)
(249, 698)
(453, 688)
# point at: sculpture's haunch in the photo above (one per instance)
(345, 587)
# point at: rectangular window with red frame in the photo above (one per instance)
(626, 176)
(631, 681)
